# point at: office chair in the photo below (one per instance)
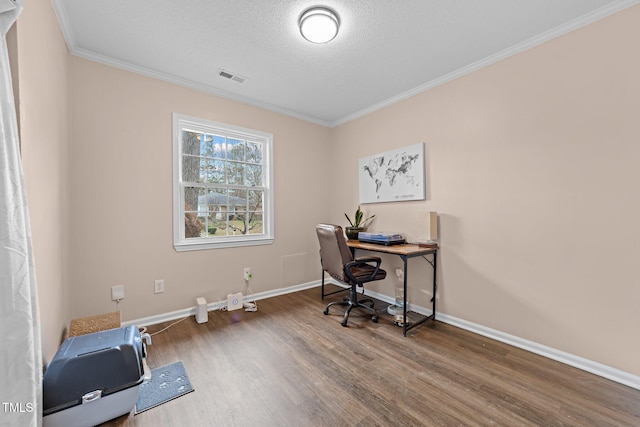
(337, 260)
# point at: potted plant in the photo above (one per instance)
(357, 225)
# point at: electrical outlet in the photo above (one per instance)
(158, 286)
(247, 273)
(117, 293)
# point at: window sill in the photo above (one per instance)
(230, 243)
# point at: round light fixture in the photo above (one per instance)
(319, 24)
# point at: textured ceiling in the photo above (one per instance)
(386, 50)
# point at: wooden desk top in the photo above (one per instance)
(406, 249)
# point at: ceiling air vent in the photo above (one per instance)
(230, 76)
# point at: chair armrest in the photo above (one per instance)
(360, 262)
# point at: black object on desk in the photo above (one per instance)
(405, 251)
(381, 238)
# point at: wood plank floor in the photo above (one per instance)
(289, 365)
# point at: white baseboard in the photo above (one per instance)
(587, 365)
(595, 368)
(191, 311)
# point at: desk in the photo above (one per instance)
(404, 251)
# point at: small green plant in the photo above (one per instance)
(358, 220)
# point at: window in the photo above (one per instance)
(223, 189)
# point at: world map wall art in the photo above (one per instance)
(393, 176)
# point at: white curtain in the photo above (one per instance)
(20, 350)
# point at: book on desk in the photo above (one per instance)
(428, 244)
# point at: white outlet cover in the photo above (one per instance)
(158, 286)
(117, 292)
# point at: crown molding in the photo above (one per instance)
(126, 66)
(539, 39)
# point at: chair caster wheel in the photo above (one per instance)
(326, 311)
(375, 319)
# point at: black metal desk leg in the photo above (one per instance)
(435, 286)
(404, 297)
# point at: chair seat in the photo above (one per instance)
(365, 271)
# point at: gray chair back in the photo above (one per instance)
(334, 252)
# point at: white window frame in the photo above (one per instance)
(180, 243)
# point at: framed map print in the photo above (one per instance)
(393, 176)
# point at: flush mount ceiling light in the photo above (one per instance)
(319, 24)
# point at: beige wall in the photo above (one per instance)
(44, 131)
(532, 164)
(121, 197)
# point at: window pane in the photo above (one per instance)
(217, 200)
(235, 225)
(218, 224)
(221, 206)
(255, 223)
(237, 211)
(253, 175)
(193, 197)
(193, 226)
(205, 143)
(235, 173)
(238, 198)
(254, 152)
(217, 148)
(235, 149)
(255, 200)
(211, 226)
(190, 169)
(190, 143)
(214, 171)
